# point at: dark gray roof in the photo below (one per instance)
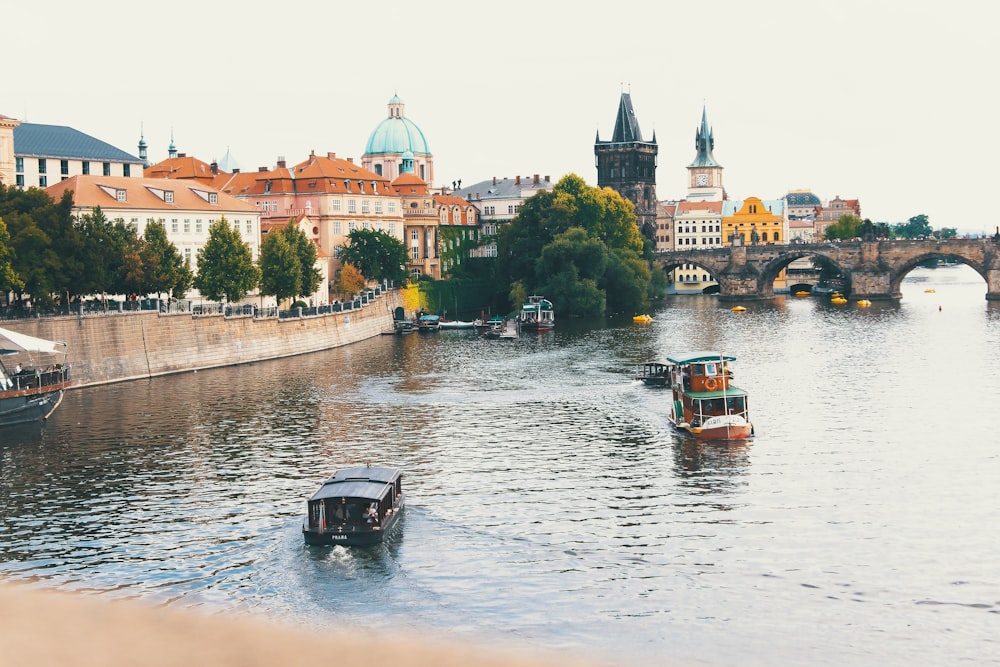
(57, 141)
(502, 188)
(802, 199)
(362, 482)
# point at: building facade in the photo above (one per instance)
(832, 212)
(697, 226)
(47, 154)
(627, 164)
(186, 208)
(497, 201)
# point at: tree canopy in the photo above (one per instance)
(225, 265)
(580, 247)
(378, 255)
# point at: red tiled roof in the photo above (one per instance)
(145, 194)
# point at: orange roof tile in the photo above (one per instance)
(146, 194)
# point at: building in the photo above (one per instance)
(754, 221)
(183, 167)
(459, 231)
(335, 195)
(393, 137)
(664, 238)
(186, 208)
(627, 164)
(43, 155)
(497, 201)
(697, 226)
(802, 207)
(832, 212)
(705, 173)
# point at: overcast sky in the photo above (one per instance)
(889, 102)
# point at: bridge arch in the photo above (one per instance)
(900, 272)
(769, 271)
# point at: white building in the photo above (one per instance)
(497, 201)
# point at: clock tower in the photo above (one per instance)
(705, 174)
(627, 164)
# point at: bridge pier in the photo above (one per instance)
(993, 284)
(873, 284)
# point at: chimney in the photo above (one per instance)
(262, 170)
(546, 178)
(517, 180)
(331, 155)
(536, 179)
(215, 168)
(281, 164)
(494, 180)
(350, 160)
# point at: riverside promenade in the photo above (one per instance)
(141, 344)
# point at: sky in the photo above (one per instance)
(889, 102)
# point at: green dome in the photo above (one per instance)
(396, 134)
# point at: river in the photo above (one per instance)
(550, 504)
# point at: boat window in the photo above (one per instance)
(710, 369)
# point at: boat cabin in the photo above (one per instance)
(354, 501)
(701, 373)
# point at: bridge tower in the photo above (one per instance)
(627, 164)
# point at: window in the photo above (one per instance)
(415, 252)
(336, 205)
(64, 167)
(365, 206)
(351, 226)
(444, 216)
(510, 209)
(173, 225)
(187, 255)
(378, 207)
(352, 206)
(187, 225)
(414, 235)
(20, 180)
(42, 165)
(107, 168)
(392, 207)
(168, 196)
(392, 228)
(336, 227)
(361, 186)
(19, 164)
(249, 227)
(197, 226)
(126, 170)
(121, 194)
(43, 181)
(213, 197)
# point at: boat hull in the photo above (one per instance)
(22, 408)
(723, 427)
(353, 536)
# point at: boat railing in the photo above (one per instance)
(36, 378)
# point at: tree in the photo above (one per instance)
(916, 227)
(280, 268)
(349, 281)
(564, 242)
(309, 277)
(846, 228)
(225, 265)
(376, 254)
(166, 270)
(9, 280)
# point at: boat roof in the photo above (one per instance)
(430, 318)
(729, 392)
(370, 483)
(697, 357)
(12, 342)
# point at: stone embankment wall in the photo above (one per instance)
(114, 348)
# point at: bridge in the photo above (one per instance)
(873, 269)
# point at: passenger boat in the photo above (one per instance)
(705, 403)
(31, 393)
(537, 314)
(653, 373)
(429, 323)
(355, 507)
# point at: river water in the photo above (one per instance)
(550, 503)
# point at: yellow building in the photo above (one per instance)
(756, 222)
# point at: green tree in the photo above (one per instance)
(376, 254)
(225, 265)
(563, 242)
(847, 227)
(309, 277)
(916, 227)
(9, 280)
(280, 268)
(166, 270)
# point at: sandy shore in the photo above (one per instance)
(40, 628)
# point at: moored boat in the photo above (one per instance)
(355, 507)
(429, 323)
(704, 402)
(537, 314)
(653, 373)
(31, 393)
(456, 324)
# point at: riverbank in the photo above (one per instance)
(144, 344)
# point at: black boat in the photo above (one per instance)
(355, 507)
(32, 392)
(653, 373)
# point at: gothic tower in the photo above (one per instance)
(627, 164)
(705, 174)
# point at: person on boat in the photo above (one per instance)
(17, 369)
(371, 516)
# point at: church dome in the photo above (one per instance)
(396, 134)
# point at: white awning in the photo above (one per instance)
(12, 341)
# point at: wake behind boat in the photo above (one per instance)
(32, 392)
(705, 403)
(356, 507)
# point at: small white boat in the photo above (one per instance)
(455, 324)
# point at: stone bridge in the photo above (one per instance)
(873, 269)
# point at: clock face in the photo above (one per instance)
(702, 179)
